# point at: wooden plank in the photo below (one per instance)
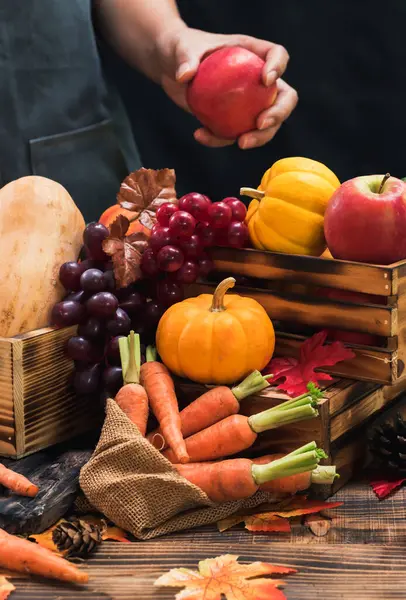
(7, 428)
(357, 277)
(334, 571)
(375, 365)
(318, 312)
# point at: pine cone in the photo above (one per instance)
(76, 538)
(388, 444)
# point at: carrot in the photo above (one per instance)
(240, 478)
(299, 482)
(17, 554)
(132, 398)
(213, 406)
(17, 483)
(160, 389)
(236, 433)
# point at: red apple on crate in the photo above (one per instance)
(227, 93)
(365, 220)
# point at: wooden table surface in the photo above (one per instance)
(363, 556)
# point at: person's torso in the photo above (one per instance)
(58, 119)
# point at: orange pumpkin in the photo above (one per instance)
(111, 214)
(215, 339)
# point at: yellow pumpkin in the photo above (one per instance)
(215, 338)
(287, 213)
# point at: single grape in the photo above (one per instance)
(120, 325)
(160, 237)
(102, 305)
(188, 272)
(113, 350)
(88, 263)
(112, 379)
(169, 293)
(133, 303)
(149, 265)
(152, 313)
(238, 208)
(220, 215)
(109, 280)
(195, 204)
(170, 259)
(221, 238)
(86, 381)
(67, 313)
(164, 213)
(69, 276)
(182, 224)
(237, 234)
(93, 281)
(205, 266)
(92, 329)
(191, 247)
(79, 348)
(93, 237)
(77, 296)
(205, 232)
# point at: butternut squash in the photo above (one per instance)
(40, 228)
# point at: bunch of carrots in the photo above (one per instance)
(197, 439)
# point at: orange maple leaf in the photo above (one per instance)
(276, 520)
(5, 588)
(224, 576)
(267, 522)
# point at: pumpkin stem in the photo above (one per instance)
(384, 180)
(252, 193)
(219, 293)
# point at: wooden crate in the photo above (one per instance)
(287, 287)
(38, 407)
(345, 413)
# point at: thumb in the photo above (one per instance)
(187, 59)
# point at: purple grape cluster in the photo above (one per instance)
(103, 314)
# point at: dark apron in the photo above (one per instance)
(58, 118)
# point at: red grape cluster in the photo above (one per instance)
(178, 240)
(103, 315)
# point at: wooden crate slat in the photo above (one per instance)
(316, 312)
(357, 277)
(7, 430)
(38, 407)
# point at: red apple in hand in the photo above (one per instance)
(365, 220)
(227, 94)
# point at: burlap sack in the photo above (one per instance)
(134, 486)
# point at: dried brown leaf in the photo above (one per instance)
(147, 189)
(126, 256)
(119, 227)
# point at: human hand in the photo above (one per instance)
(180, 53)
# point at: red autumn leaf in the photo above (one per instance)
(222, 577)
(267, 522)
(125, 251)
(276, 518)
(5, 588)
(313, 355)
(383, 488)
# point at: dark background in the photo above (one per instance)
(348, 61)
